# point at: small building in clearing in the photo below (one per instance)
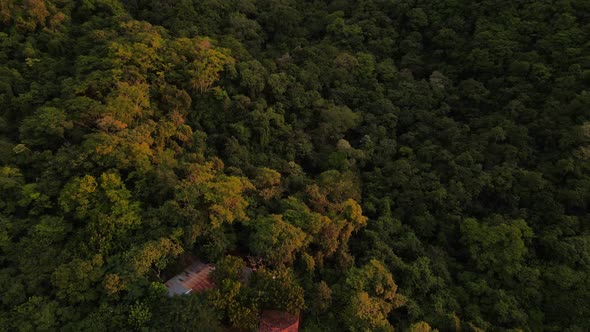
(195, 278)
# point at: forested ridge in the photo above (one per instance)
(400, 165)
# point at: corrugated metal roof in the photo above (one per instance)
(194, 278)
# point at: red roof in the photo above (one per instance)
(199, 281)
(194, 278)
(278, 321)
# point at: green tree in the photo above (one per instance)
(500, 248)
(45, 128)
(276, 240)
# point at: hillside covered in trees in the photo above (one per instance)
(400, 165)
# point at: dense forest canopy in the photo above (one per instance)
(390, 164)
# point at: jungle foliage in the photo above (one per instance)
(391, 164)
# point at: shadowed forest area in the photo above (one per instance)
(402, 165)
